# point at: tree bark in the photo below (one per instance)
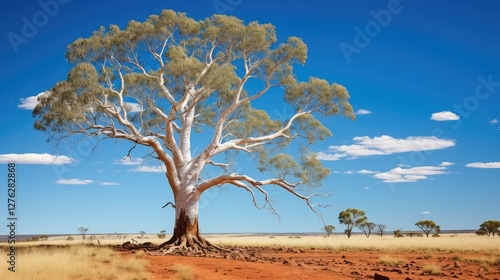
(186, 236)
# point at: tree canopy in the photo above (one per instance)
(428, 226)
(170, 79)
(352, 217)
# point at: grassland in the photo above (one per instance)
(59, 258)
(78, 262)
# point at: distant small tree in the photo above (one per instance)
(428, 226)
(367, 228)
(398, 233)
(162, 234)
(82, 231)
(380, 229)
(489, 228)
(329, 229)
(142, 233)
(351, 218)
(44, 237)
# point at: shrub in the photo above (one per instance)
(432, 269)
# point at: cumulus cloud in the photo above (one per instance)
(484, 164)
(410, 175)
(494, 121)
(363, 112)
(73, 182)
(326, 156)
(446, 163)
(426, 213)
(385, 145)
(364, 171)
(30, 102)
(445, 116)
(32, 158)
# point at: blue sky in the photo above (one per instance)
(424, 79)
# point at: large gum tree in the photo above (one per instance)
(198, 79)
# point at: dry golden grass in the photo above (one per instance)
(446, 243)
(184, 272)
(74, 262)
(388, 260)
(432, 269)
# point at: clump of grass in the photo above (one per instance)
(388, 260)
(139, 254)
(183, 271)
(432, 269)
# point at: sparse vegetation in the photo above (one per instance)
(428, 226)
(82, 231)
(398, 233)
(74, 262)
(183, 271)
(329, 229)
(391, 261)
(489, 228)
(432, 269)
(352, 217)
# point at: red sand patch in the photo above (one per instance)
(323, 264)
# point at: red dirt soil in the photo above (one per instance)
(287, 263)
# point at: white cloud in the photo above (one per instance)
(32, 158)
(363, 112)
(446, 163)
(364, 171)
(30, 102)
(445, 116)
(484, 164)
(109, 184)
(325, 156)
(152, 169)
(410, 175)
(73, 182)
(349, 172)
(426, 213)
(494, 121)
(366, 188)
(129, 161)
(385, 145)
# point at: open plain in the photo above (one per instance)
(458, 256)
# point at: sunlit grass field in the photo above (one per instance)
(79, 260)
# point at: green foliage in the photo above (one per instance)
(489, 228)
(398, 233)
(329, 229)
(188, 75)
(352, 217)
(428, 226)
